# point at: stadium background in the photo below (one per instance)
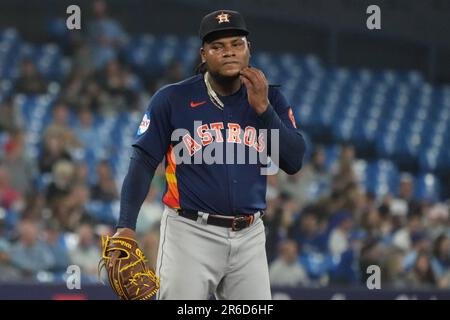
(374, 106)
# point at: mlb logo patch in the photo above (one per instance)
(145, 123)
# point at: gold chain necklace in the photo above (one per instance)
(211, 93)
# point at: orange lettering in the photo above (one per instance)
(217, 126)
(233, 133)
(249, 136)
(203, 133)
(191, 144)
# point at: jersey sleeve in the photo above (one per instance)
(282, 108)
(155, 129)
(278, 116)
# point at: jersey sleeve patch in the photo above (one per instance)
(291, 117)
(145, 123)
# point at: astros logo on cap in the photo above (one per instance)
(223, 17)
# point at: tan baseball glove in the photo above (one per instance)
(126, 267)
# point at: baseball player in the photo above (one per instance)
(212, 239)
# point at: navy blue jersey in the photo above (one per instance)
(227, 189)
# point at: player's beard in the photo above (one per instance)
(222, 78)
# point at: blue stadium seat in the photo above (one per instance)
(58, 31)
(381, 177)
(431, 159)
(331, 155)
(427, 187)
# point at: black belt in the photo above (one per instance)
(236, 223)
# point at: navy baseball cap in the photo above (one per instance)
(222, 20)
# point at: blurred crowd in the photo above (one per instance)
(331, 238)
(45, 221)
(322, 228)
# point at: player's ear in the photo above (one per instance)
(249, 46)
(202, 54)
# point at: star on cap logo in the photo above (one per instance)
(223, 17)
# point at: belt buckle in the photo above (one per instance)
(240, 222)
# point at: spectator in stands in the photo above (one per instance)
(278, 224)
(360, 203)
(70, 210)
(9, 120)
(53, 151)
(371, 222)
(35, 207)
(30, 81)
(273, 194)
(386, 224)
(60, 211)
(60, 127)
(422, 275)
(150, 213)
(350, 199)
(94, 97)
(79, 197)
(441, 260)
(396, 223)
(60, 114)
(307, 231)
(106, 35)
(117, 83)
(405, 200)
(62, 181)
(72, 91)
(104, 29)
(86, 254)
(393, 271)
(84, 130)
(173, 73)
(372, 253)
(105, 189)
(343, 173)
(30, 255)
(406, 187)
(286, 270)
(112, 79)
(83, 64)
(7, 271)
(56, 244)
(81, 173)
(338, 241)
(419, 243)
(10, 198)
(312, 182)
(19, 166)
(437, 218)
(344, 269)
(402, 237)
(150, 242)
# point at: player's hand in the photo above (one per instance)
(257, 88)
(121, 232)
